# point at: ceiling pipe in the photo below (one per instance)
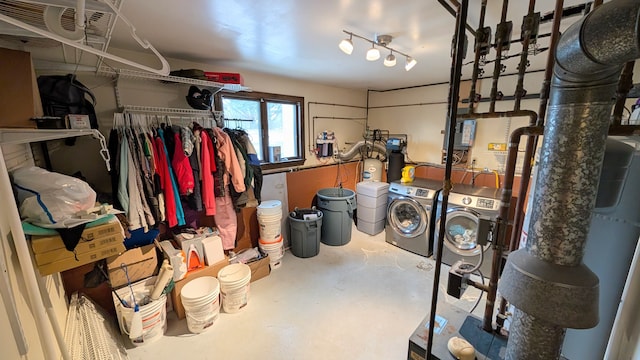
(548, 273)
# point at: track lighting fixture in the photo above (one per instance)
(373, 54)
(390, 60)
(346, 45)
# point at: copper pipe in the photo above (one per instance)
(498, 62)
(454, 97)
(477, 285)
(624, 85)
(476, 60)
(524, 54)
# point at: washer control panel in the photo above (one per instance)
(486, 203)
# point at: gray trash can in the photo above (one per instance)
(337, 206)
(304, 232)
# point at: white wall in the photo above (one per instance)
(425, 122)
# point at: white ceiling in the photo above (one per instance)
(299, 38)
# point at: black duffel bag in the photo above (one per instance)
(62, 95)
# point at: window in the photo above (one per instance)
(274, 124)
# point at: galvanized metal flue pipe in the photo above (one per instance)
(530, 147)
(500, 38)
(532, 141)
(549, 273)
(524, 54)
(476, 59)
(454, 95)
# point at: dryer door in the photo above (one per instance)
(407, 217)
(461, 232)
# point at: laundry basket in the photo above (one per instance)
(337, 206)
(304, 232)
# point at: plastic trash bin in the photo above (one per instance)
(337, 206)
(304, 232)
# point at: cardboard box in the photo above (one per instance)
(207, 271)
(82, 247)
(41, 244)
(141, 263)
(81, 259)
(260, 268)
(19, 95)
(248, 229)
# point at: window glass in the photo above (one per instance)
(245, 114)
(283, 128)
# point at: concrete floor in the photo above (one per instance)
(358, 301)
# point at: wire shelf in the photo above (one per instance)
(168, 111)
(143, 75)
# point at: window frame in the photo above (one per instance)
(263, 98)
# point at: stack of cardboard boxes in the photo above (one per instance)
(96, 243)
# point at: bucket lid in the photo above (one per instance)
(234, 273)
(269, 205)
(200, 287)
(335, 194)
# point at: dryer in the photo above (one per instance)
(409, 215)
(466, 206)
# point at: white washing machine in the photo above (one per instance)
(409, 215)
(466, 206)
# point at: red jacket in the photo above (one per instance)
(162, 169)
(182, 168)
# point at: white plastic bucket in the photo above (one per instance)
(235, 286)
(271, 231)
(200, 298)
(269, 207)
(153, 314)
(275, 249)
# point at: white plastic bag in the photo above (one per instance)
(50, 199)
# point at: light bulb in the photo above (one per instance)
(411, 62)
(373, 54)
(390, 60)
(346, 46)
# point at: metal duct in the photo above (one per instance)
(347, 155)
(547, 282)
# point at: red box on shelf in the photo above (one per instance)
(225, 78)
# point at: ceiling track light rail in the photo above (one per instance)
(373, 53)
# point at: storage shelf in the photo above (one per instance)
(24, 136)
(143, 75)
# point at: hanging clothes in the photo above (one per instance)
(208, 168)
(226, 221)
(194, 201)
(182, 168)
(233, 174)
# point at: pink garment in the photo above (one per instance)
(228, 155)
(182, 168)
(208, 166)
(226, 221)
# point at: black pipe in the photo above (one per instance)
(500, 38)
(454, 94)
(451, 11)
(624, 85)
(476, 60)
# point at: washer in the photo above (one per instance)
(467, 205)
(409, 224)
